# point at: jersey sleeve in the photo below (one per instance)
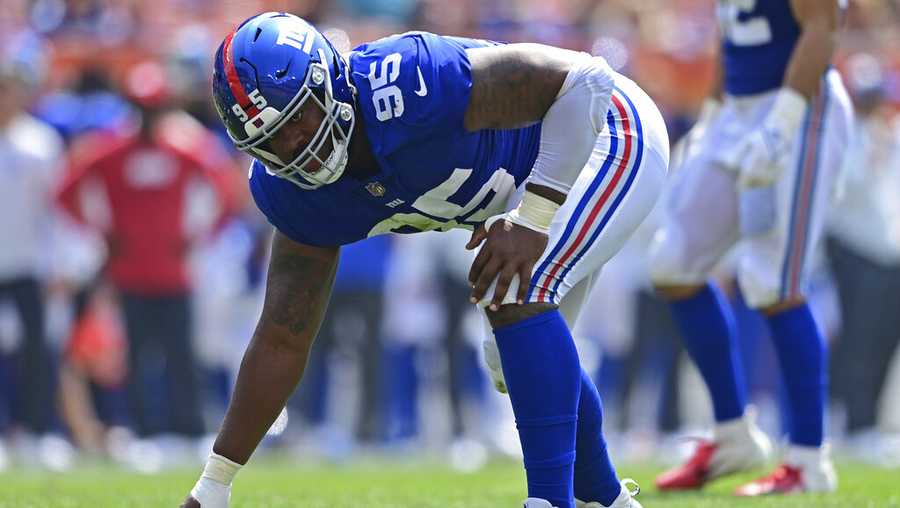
(412, 86)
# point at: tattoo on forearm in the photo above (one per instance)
(298, 288)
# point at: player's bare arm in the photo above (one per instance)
(297, 290)
(819, 24)
(514, 86)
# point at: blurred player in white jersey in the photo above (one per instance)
(760, 180)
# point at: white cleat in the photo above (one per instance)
(741, 445)
(805, 469)
(817, 468)
(626, 499)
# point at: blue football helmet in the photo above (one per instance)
(265, 71)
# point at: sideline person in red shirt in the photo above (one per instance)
(136, 188)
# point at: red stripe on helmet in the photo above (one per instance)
(234, 82)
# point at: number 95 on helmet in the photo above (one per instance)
(265, 71)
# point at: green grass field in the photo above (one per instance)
(384, 485)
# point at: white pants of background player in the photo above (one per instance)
(615, 191)
(775, 228)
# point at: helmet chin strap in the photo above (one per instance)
(336, 162)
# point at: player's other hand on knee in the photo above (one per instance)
(509, 249)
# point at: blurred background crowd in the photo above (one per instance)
(132, 260)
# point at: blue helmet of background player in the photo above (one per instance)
(265, 71)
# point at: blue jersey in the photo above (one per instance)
(413, 90)
(758, 39)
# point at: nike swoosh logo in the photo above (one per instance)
(423, 90)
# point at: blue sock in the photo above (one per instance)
(708, 327)
(595, 476)
(400, 391)
(802, 355)
(543, 377)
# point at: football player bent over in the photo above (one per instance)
(548, 155)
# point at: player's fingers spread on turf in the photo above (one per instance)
(487, 275)
(503, 282)
(190, 502)
(478, 236)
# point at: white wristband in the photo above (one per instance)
(210, 493)
(534, 212)
(220, 469)
(787, 111)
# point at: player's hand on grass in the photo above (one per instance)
(509, 250)
(190, 502)
(208, 493)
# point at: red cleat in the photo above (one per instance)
(784, 480)
(738, 446)
(691, 475)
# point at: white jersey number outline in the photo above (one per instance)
(388, 100)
